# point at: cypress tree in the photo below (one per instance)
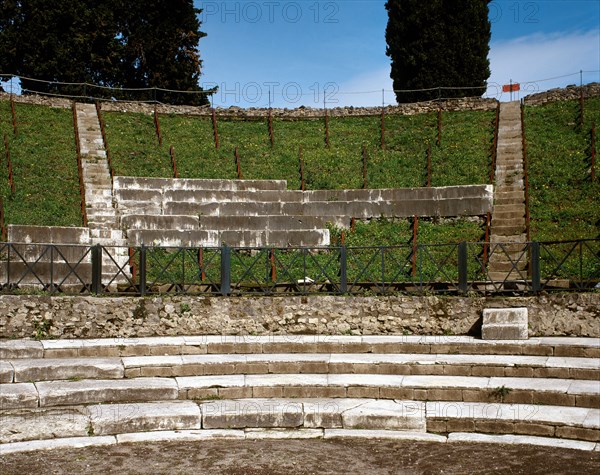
(437, 44)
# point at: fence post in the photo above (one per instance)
(535, 267)
(343, 270)
(142, 271)
(462, 267)
(593, 151)
(225, 270)
(96, 269)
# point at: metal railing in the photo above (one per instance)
(454, 269)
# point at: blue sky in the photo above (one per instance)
(295, 49)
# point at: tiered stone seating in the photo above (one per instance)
(258, 213)
(428, 388)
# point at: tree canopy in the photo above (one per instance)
(113, 43)
(438, 44)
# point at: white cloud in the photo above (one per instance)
(531, 60)
(536, 61)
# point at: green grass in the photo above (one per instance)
(564, 203)
(44, 167)
(462, 157)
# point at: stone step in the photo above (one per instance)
(507, 277)
(273, 223)
(564, 392)
(217, 344)
(422, 388)
(156, 222)
(558, 432)
(508, 218)
(48, 369)
(89, 391)
(215, 238)
(99, 420)
(515, 230)
(144, 183)
(497, 265)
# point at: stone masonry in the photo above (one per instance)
(129, 317)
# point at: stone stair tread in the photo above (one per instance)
(166, 345)
(60, 393)
(46, 369)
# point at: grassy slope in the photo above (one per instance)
(565, 204)
(462, 157)
(44, 167)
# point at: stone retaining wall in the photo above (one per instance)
(468, 103)
(91, 317)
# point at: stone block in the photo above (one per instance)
(504, 332)
(109, 419)
(327, 413)
(6, 372)
(49, 369)
(58, 393)
(32, 424)
(18, 396)
(256, 413)
(386, 415)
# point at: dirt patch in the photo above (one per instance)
(304, 457)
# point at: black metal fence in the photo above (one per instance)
(462, 268)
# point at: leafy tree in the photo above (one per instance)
(438, 44)
(115, 43)
(159, 40)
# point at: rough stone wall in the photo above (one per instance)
(468, 103)
(93, 317)
(563, 94)
(233, 112)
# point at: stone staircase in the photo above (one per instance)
(91, 392)
(508, 234)
(102, 217)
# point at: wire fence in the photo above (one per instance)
(267, 94)
(454, 269)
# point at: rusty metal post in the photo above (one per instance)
(302, 183)
(439, 126)
(326, 128)
(273, 266)
(364, 157)
(215, 128)
(271, 134)
(157, 126)
(14, 114)
(238, 165)
(428, 165)
(11, 180)
(173, 162)
(486, 246)
(383, 128)
(132, 266)
(581, 109)
(3, 232)
(353, 224)
(201, 264)
(415, 244)
(593, 150)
